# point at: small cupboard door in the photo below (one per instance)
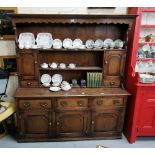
(107, 122)
(71, 124)
(114, 64)
(146, 119)
(27, 65)
(35, 124)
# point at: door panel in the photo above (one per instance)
(107, 121)
(71, 124)
(35, 124)
(146, 122)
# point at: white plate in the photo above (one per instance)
(89, 44)
(55, 89)
(108, 42)
(77, 43)
(45, 78)
(44, 40)
(98, 44)
(118, 43)
(67, 43)
(57, 44)
(27, 39)
(57, 78)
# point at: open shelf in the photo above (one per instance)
(144, 43)
(145, 59)
(147, 26)
(93, 68)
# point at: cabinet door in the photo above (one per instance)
(107, 123)
(71, 124)
(146, 120)
(27, 65)
(114, 64)
(35, 124)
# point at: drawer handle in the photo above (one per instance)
(99, 102)
(43, 104)
(63, 103)
(80, 103)
(26, 104)
(50, 124)
(116, 102)
(105, 62)
(92, 122)
(112, 83)
(29, 83)
(35, 62)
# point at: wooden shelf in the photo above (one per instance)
(92, 68)
(145, 59)
(144, 43)
(147, 26)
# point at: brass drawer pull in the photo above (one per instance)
(99, 102)
(50, 124)
(26, 104)
(43, 104)
(116, 102)
(80, 103)
(63, 103)
(35, 62)
(105, 62)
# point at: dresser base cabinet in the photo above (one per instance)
(46, 117)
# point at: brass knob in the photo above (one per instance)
(43, 104)
(58, 123)
(112, 83)
(35, 62)
(80, 103)
(92, 122)
(50, 124)
(106, 62)
(63, 103)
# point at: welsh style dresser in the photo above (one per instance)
(80, 113)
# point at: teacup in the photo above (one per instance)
(53, 65)
(71, 65)
(44, 65)
(62, 65)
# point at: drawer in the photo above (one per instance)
(66, 103)
(107, 101)
(34, 104)
(111, 83)
(29, 83)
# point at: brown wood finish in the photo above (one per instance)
(81, 113)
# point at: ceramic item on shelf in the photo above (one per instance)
(146, 78)
(57, 78)
(82, 47)
(55, 84)
(71, 66)
(65, 86)
(74, 82)
(55, 89)
(53, 65)
(46, 84)
(62, 65)
(111, 45)
(105, 45)
(44, 40)
(21, 46)
(89, 44)
(34, 47)
(67, 43)
(146, 48)
(57, 44)
(77, 43)
(108, 42)
(46, 78)
(118, 44)
(26, 39)
(44, 65)
(83, 83)
(98, 44)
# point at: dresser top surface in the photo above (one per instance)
(78, 92)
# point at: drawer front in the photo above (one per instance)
(66, 103)
(111, 83)
(108, 101)
(34, 104)
(28, 83)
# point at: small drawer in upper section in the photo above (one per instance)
(34, 104)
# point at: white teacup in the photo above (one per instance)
(44, 65)
(71, 65)
(53, 65)
(62, 65)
